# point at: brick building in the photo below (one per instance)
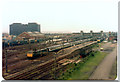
(30, 35)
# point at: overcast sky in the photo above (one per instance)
(62, 16)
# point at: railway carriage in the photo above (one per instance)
(54, 48)
(66, 45)
(36, 53)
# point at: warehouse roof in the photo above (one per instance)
(34, 33)
(30, 35)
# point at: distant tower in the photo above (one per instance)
(33, 27)
(16, 29)
(81, 33)
(101, 33)
(91, 33)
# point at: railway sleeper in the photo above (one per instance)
(37, 71)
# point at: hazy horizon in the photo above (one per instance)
(62, 16)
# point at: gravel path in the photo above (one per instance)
(103, 70)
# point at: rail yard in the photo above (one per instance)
(45, 59)
(56, 40)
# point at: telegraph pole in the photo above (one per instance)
(35, 44)
(63, 46)
(55, 65)
(6, 59)
(29, 44)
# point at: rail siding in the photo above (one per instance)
(72, 49)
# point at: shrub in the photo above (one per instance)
(75, 64)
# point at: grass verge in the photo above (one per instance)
(84, 69)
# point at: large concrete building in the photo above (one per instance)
(18, 28)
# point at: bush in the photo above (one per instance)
(69, 72)
(75, 64)
(63, 74)
(74, 69)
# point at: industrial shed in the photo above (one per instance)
(30, 36)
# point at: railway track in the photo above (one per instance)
(18, 56)
(41, 68)
(29, 70)
(26, 63)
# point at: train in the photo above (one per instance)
(16, 43)
(35, 53)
